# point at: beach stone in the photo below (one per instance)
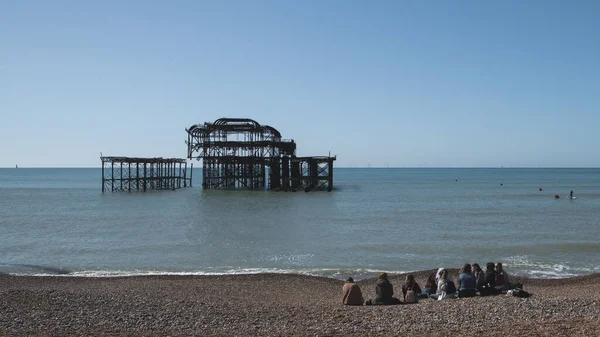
(277, 305)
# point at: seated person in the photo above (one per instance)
(467, 282)
(444, 286)
(352, 293)
(437, 274)
(502, 280)
(489, 287)
(412, 284)
(384, 291)
(430, 286)
(479, 276)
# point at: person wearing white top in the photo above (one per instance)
(442, 282)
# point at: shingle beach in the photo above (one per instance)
(282, 305)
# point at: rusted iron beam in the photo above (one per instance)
(158, 173)
(236, 153)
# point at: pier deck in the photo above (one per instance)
(142, 174)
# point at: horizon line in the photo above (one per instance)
(353, 167)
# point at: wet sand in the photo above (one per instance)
(282, 305)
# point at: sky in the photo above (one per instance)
(377, 83)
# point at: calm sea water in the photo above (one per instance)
(57, 221)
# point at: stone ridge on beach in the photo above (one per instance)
(282, 305)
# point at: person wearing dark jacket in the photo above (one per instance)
(490, 280)
(384, 290)
(430, 286)
(410, 283)
(502, 276)
(479, 275)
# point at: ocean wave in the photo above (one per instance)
(535, 270)
(520, 265)
(31, 269)
(357, 274)
(293, 259)
(526, 265)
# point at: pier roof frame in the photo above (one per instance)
(143, 160)
(242, 153)
(234, 125)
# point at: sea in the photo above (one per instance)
(57, 221)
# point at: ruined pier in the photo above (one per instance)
(142, 174)
(240, 153)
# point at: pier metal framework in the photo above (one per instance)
(142, 174)
(240, 153)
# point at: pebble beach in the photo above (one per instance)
(282, 305)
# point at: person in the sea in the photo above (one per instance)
(467, 282)
(410, 283)
(352, 293)
(430, 286)
(505, 282)
(571, 194)
(384, 291)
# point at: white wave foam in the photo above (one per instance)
(526, 265)
(358, 274)
(294, 259)
(522, 265)
(548, 274)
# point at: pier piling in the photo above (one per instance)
(157, 174)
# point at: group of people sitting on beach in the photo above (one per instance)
(472, 281)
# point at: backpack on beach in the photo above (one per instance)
(410, 296)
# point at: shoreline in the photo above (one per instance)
(395, 278)
(282, 305)
(359, 274)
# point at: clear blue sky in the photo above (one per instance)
(398, 83)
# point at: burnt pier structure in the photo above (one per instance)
(142, 174)
(240, 153)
